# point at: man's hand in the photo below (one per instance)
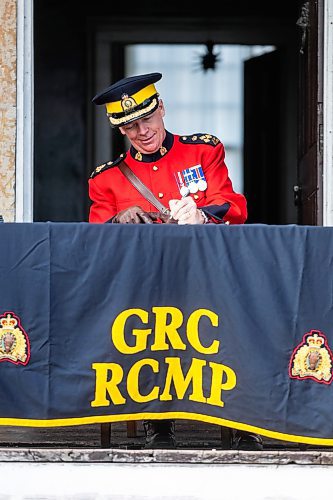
(185, 211)
(133, 215)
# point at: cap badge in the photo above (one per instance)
(127, 103)
(312, 359)
(192, 178)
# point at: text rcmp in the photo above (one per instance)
(110, 375)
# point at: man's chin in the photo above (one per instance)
(149, 149)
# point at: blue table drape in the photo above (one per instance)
(226, 324)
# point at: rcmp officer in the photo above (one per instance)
(187, 174)
(166, 163)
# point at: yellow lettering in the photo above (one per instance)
(105, 386)
(192, 331)
(175, 375)
(133, 381)
(163, 330)
(118, 332)
(218, 385)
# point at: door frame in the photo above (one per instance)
(25, 112)
(328, 115)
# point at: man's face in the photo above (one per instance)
(146, 134)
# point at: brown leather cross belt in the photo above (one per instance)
(142, 188)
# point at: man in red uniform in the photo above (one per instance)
(187, 174)
(166, 163)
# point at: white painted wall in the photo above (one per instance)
(25, 115)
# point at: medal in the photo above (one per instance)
(193, 187)
(184, 191)
(202, 185)
(191, 179)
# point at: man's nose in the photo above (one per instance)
(142, 128)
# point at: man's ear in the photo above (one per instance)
(161, 107)
(122, 130)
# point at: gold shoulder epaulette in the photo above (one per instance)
(106, 166)
(200, 139)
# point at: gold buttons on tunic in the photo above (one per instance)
(155, 168)
(160, 195)
(196, 196)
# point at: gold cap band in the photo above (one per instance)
(131, 101)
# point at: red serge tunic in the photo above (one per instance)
(110, 191)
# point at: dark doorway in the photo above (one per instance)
(262, 126)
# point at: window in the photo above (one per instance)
(196, 100)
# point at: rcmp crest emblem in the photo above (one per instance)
(14, 342)
(127, 103)
(312, 359)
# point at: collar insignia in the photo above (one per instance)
(160, 153)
